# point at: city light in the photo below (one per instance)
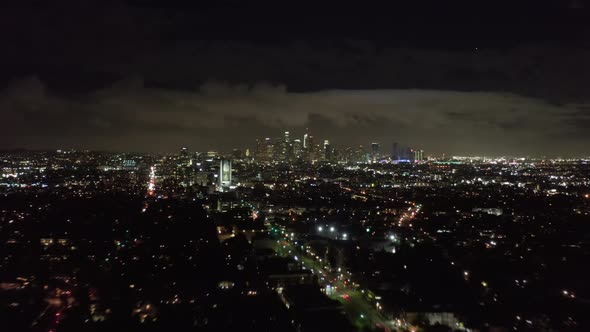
(254, 219)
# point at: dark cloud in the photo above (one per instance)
(154, 75)
(78, 45)
(221, 115)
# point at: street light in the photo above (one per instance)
(344, 236)
(320, 228)
(332, 229)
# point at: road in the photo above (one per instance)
(338, 286)
(52, 315)
(360, 311)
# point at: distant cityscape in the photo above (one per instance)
(287, 148)
(293, 235)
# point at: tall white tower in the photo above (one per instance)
(224, 174)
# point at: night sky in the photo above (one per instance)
(149, 76)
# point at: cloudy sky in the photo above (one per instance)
(149, 76)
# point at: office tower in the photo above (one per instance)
(285, 147)
(184, 158)
(269, 149)
(418, 155)
(263, 150)
(259, 151)
(290, 152)
(327, 150)
(297, 148)
(279, 150)
(311, 148)
(395, 152)
(359, 154)
(375, 152)
(409, 155)
(334, 154)
(305, 140)
(224, 174)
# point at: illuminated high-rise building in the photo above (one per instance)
(418, 155)
(263, 150)
(359, 154)
(297, 148)
(327, 150)
(279, 148)
(285, 147)
(305, 140)
(259, 151)
(375, 152)
(269, 149)
(409, 155)
(184, 159)
(224, 174)
(311, 148)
